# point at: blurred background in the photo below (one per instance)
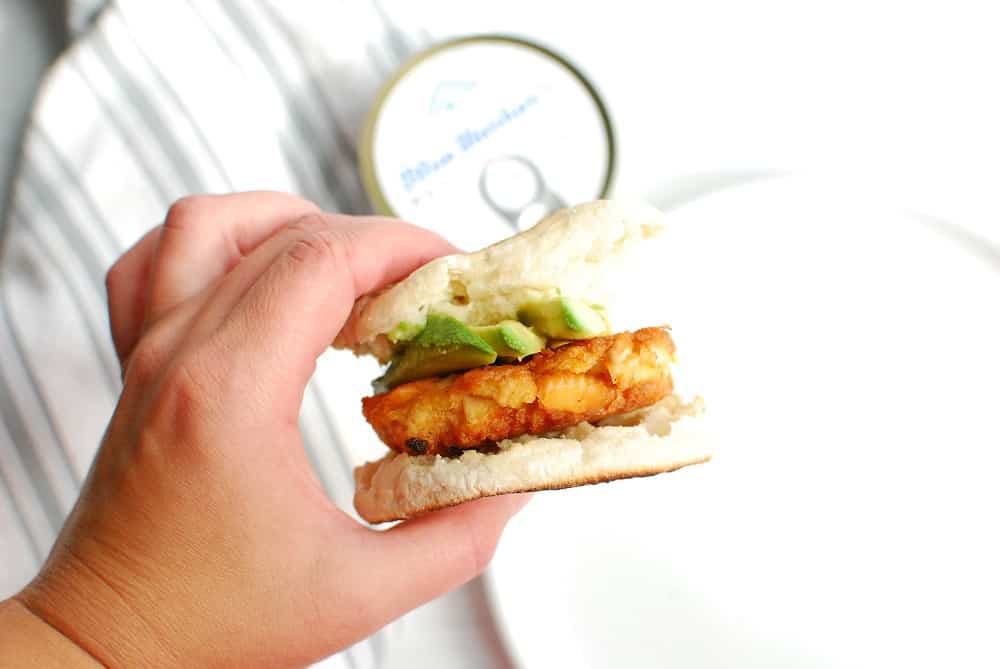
(899, 95)
(31, 35)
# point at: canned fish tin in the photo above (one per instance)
(482, 136)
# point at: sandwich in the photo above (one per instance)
(504, 372)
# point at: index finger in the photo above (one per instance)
(127, 283)
(204, 236)
(294, 309)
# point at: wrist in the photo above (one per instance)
(28, 641)
(93, 612)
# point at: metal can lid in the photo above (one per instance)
(481, 136)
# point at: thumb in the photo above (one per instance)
(423, 558)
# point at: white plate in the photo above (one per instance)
(850, 358)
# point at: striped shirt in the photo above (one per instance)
(154, 101)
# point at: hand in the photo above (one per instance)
(201, 536)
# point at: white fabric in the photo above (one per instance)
(154, 101)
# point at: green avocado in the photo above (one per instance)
(565, 318)
(445, 345)
(510, 339)
(404, 331)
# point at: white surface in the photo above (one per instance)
(849, 358)
(456, 630)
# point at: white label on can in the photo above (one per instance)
(483, 138)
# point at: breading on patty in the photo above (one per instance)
(582, 381)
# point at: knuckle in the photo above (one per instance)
(147, 359)
(183, 392)
(183, 400)
(317, 246)
(187, 211)
(310, 222)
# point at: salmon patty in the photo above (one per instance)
(582, 381)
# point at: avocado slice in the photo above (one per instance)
(565, 318)
(510, 339)
(403, 332)
(445, 345)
